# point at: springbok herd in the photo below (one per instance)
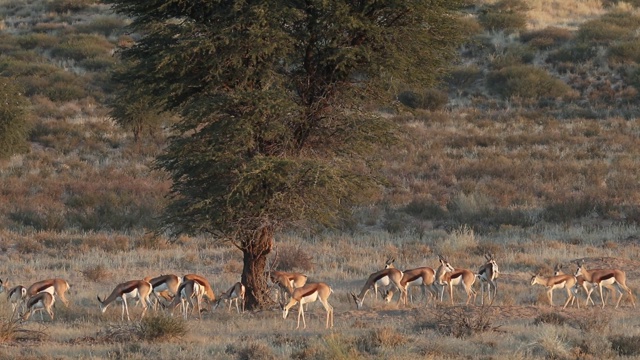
(189, 291)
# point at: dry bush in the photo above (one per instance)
(505, 15)
(103, 25)
(594, 322)
(162, 327)
(251, 350)
(381, 338)
(526, 82)
(547, 38)
(65, 6)
(28, 246)
(96, 273)
(14, 330)
(294, 257)
(151, 328)
(463, 322)
(626, 345)
(461, 77)
(552, 318)
(625, 52)
(611, 27)
(428, 99)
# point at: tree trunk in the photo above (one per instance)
(255, 251)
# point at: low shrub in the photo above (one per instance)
(551, 318)
(625, 52)
(102, 25)
(547, 38)
(505, 15)
(576, 53)
(80, 47)
(294, 257)
(626, 345)
(462, 323)
(64, 6)
(526, 82)
(162, 327)
(381, 338)
(429, 99)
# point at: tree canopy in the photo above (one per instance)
(277, 103)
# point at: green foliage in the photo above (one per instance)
(14, 121)
(505, 15)
(527, 82)
(547, 38)
(268, 111)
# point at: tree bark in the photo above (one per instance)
(255, 251)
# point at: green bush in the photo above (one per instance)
(527, 82)
(506, 15)
(547, 38)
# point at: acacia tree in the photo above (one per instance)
(274, 100)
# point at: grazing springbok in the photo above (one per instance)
(190, 291)
(39, 302)
(133, 289)
(57, 287)
(395, 276)
(164, 286)
(235, 292)
(308, 294)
